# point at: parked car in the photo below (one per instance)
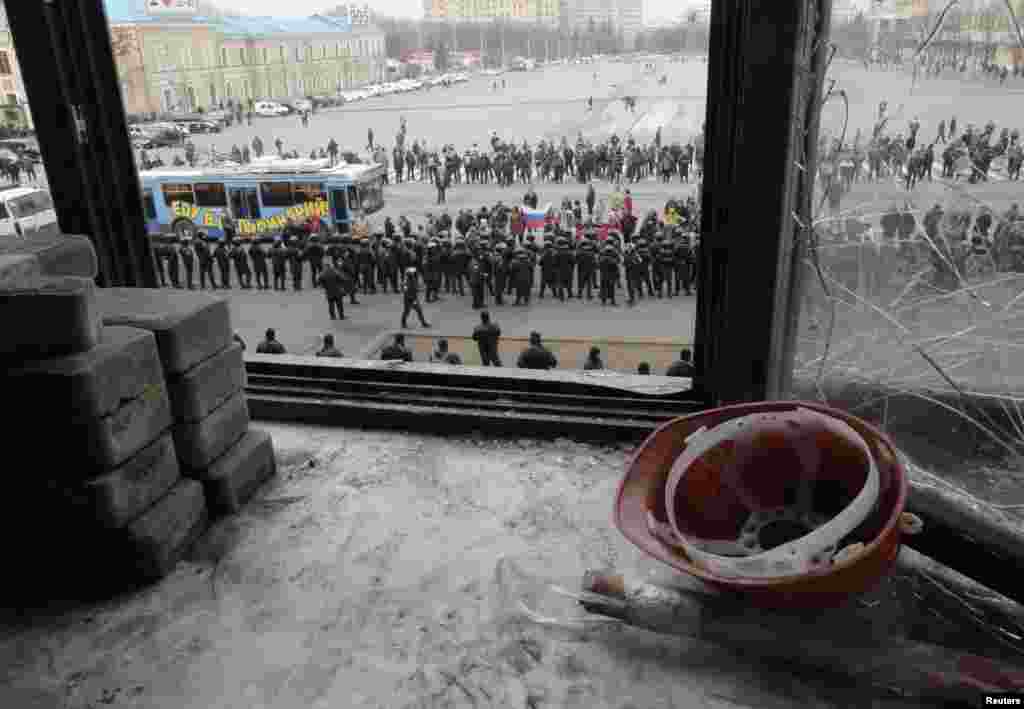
(270, 108)
(302, 104)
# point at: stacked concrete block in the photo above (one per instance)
(205, 375)
(108, 469)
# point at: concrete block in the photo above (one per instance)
(116, 498)
(162, 535)
(189, 327)
(19, 270)
(231, 480)
(76, 449)
(200, 390)
(55, 317)
(57, 254)
(90, 384)
(200, 443)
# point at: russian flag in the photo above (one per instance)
(535, 218)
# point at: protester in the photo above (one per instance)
(329, 350)
(270, 345)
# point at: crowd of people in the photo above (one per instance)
(904, 155)
(490, 250)
(486, 336)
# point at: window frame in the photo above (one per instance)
(749, 100)
(209, 187)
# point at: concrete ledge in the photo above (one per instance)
(57, 254)
(160, 537)
(122, 495)
(199, 444)
(232, 479)
(654, 385)
(189, 327)
(200, 390)
(56, 316)
(90, 384)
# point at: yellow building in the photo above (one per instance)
(183, 62)
(14, 111)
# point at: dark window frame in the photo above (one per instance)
(759, 58)
(168, 201)
(203, 201)
(276, 204)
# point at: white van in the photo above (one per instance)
(24, 210)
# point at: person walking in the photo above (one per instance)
(487, 335)
(333, 284)
(411, 297)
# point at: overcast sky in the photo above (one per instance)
(405, 8)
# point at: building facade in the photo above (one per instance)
(14, 110)
(183, 62)
(546, 12)
(624, 15)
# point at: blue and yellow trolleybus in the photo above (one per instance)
(260, 196)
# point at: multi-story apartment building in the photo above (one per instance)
(546, 12)
(14, 110)
(186, 61)
(624, 15)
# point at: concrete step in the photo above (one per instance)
(197, 392)
(90, 384)
(232, 479)
(200, 443)
(53, 317)
(189, 327)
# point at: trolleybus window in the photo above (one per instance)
(210, 194)
(309, 192)
(3, 211)
(244, 203)
(372, 194)
(177, 193)
(149, 203)
(276, 194)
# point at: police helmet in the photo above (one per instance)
(501, 245)
(410, 270)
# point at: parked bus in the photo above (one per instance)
(260, 196)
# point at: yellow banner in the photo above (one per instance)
(672, 217)
(204, 217)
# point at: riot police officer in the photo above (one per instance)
(241, 259)
(205, 258)
(173, 265)
(259, 266)
(548, 269)
(188, 261)
(500, 273)
(279, 259)
(609, 266)
(314, 254)
(566, 261)
(223, 258)
(586, 262)
(295, 264)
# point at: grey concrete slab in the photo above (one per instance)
(163, 534)
(19, 270)
(93, 383)
(56, 316)
(204, 387)
(202, 442)
(119, 497)
(57, 254)
(232, 479)
(189, 327)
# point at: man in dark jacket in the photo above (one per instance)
(259, 266)
(443, 356)
(682, 367)
(329, 350)
(397, 350)
(522, 270)
(188, 261)
(205, 258)
(223, 258)
(295, 265)
(334, 289)
(476, 283)
(487, 335)
(536, 356)
(593, 360)
(548, 269)
(609, 266)
(365, 264)
(173, 265)
(270, 345)
(586, 262)
(241, 259)
(566, 259)
(314, 254)
(279, 258)
(411, 298)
